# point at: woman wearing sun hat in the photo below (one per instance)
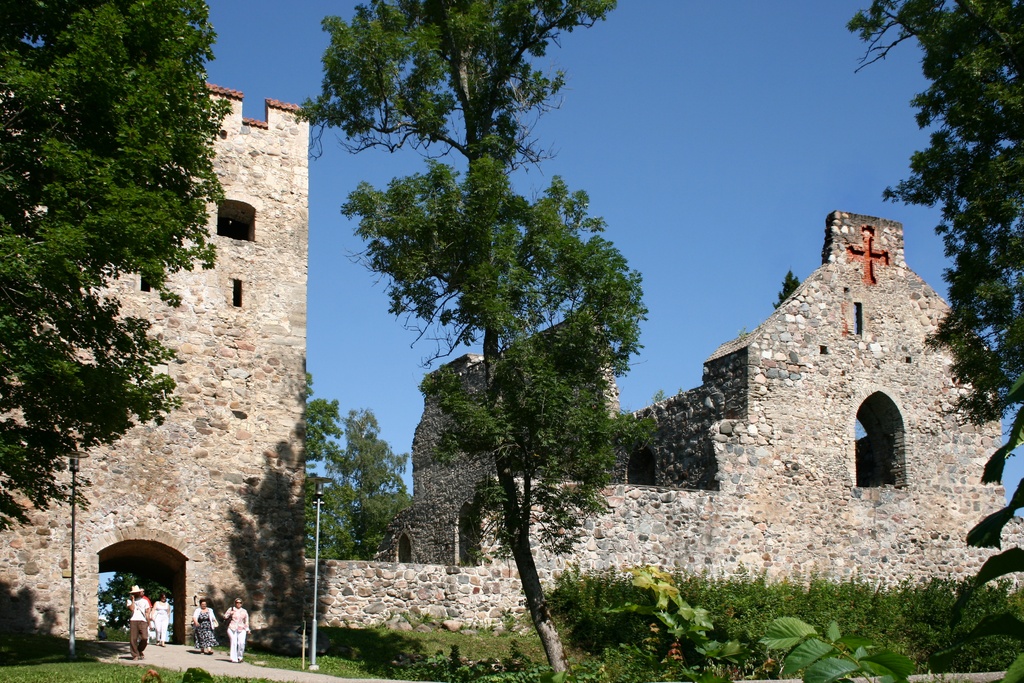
(138, 635)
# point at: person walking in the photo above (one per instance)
(138, 633)
(203, 622)
(161, 617)
(238, 626)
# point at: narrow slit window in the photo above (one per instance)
(858, 318)
(236, 293)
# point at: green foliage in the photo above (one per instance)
(196, 675)
(106, 164)
(973, 58)
(366, 490)
(789, 285)
(554, 307)
(114, 595)
(910, 618)
(693, 654)
(996, 624)
(456, 77)
(831, 656)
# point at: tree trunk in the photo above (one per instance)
(537, 604)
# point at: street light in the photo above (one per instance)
(318, 493)
(73, 459)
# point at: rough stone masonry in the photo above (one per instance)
(824, 442)
(210, 503)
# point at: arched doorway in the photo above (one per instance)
(404, 548)
(880, 443)
(642, 468)
(155, 561)
(469, 536)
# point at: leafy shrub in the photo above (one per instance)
(910, 618)
(580, 602)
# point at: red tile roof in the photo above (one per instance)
(225, 92)
(256, 123)
(277, 104)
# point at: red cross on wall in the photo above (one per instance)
(868, 254)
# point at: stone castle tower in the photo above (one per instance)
(823, 441)
(210, 503)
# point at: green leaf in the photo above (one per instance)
(805, 654)
(886, 662)
(855, 642)
(832, 633)
(1015, 672)
(829, 670)
(988, 532)
(1006, 562)
(785, 632)
(1003, 624)
(993, 473)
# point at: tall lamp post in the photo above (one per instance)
(73, 466)
(318, 494)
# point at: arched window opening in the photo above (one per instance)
(404, 548)
(880, 445)
(236, 220)
(469, 536)
(641, 469)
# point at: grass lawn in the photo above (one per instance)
(367, 653)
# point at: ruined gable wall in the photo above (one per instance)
(683, 443)
(441, 489)
(217, 486)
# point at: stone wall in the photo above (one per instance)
(210, 502)
(693, 531)
(824, 441)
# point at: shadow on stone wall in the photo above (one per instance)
(19, 612)
(267, 542)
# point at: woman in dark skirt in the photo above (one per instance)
(203, 623)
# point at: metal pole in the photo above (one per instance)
(71, 635)
(313, 666)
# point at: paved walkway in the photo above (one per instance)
(182, 657)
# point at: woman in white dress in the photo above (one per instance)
(161, 617)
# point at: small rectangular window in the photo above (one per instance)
(144, 285)
(823, 350)
(858, 318)
(236, 293)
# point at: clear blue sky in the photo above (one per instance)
(713, 137)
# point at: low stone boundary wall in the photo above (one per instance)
(356, 593)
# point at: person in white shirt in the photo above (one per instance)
(138, 634)
(238, 626)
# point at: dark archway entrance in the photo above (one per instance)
(155, 561)
(881, 449)
(469, 536)
(642, 468)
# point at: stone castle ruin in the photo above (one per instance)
(824, 441)
(211, 502)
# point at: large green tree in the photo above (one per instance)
(106, 135)
(469, 262)
(973, 169)
(366, 489)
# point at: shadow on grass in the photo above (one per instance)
(20, 649)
